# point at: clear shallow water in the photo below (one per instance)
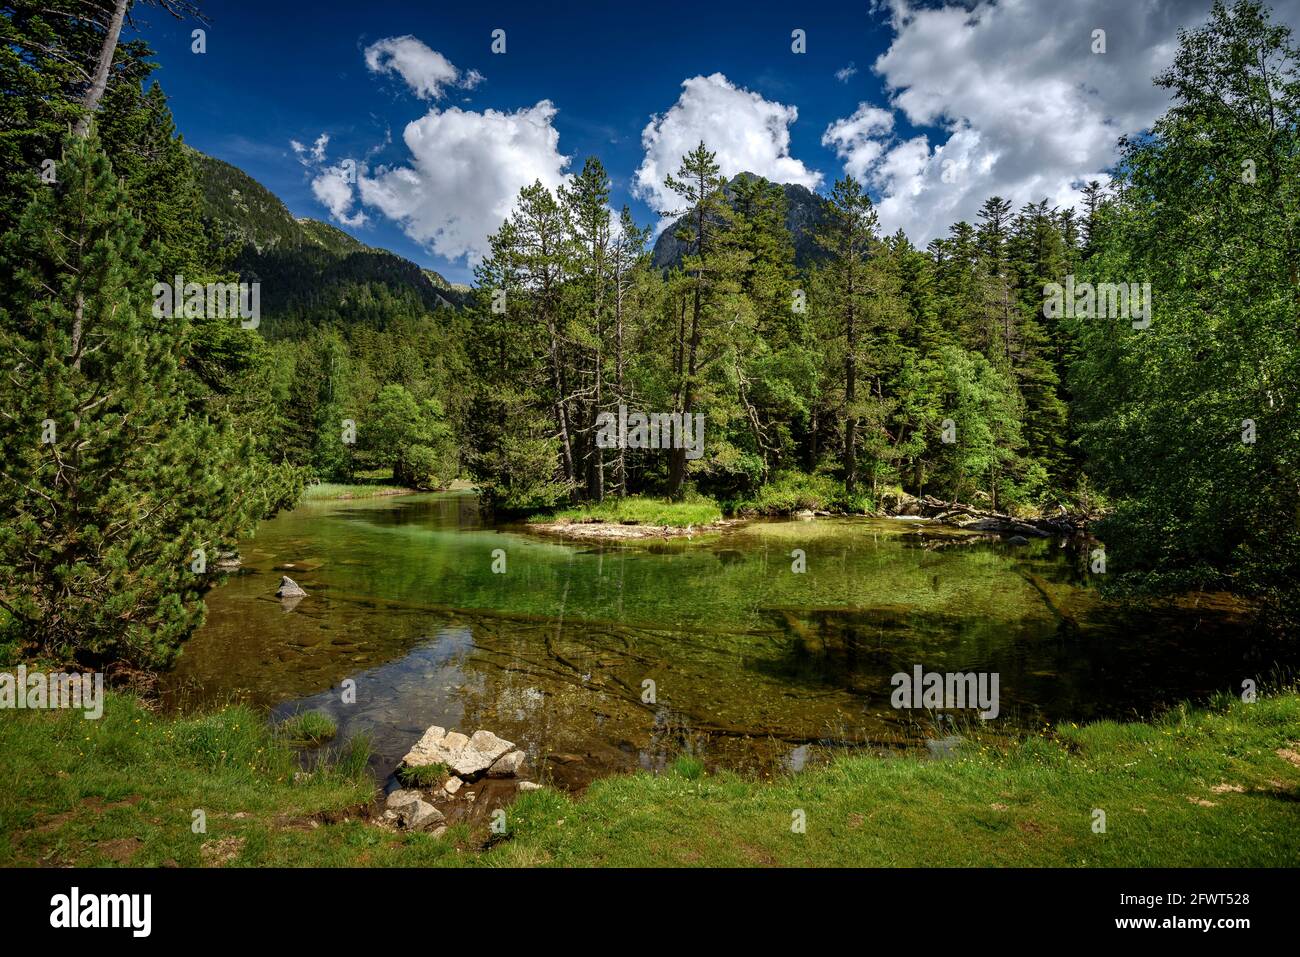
(755, 666)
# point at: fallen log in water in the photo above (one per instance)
(978, 519)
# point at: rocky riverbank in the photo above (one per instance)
(599, 530)
(449, 778)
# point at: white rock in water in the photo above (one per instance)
(464, 756)
(289, 588)
(482, 749)
(529, 786)
(507, 766)
(489, 745)
(454, 742)
(427, 750)
(453, 785)
(422, 814)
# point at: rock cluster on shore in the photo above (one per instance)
(467, 759)
(407, 809)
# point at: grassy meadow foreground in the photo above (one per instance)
(1217, 786)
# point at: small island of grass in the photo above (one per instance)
(633, 516)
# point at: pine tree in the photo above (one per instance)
(541, 259)
(513, 447)
(116, 496)
(707, 220)
(864, 313)
(628, 262)
(771, 367)
(586, 207)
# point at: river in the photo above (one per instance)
(597, 659)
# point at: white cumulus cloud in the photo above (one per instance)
(464, 173)
(313, 154)
(1022, 106)
(747, 132)
(425, 71)
(857, 139)
(334, 187)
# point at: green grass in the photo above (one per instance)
(641, 510)
(792, 491)
(1195, 787)
(124, 789)
(331, 491)
(424, 776)
(310, 727)
(688, 766)
(1030, 805)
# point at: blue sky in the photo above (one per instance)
(944, 109)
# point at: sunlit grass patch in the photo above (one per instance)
(641, 510)
(138, 788)
(330, 491)
(424, 776)
(308, 728)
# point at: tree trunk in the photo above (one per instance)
(850, 395)
(99, 83)
(620, 463)
(561, 414)
(677, 461)
(596, 480)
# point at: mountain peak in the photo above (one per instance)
(803, 214)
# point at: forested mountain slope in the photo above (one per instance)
(305, 265)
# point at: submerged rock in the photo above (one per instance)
(289, 588)
(227, 561)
